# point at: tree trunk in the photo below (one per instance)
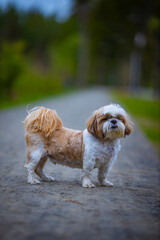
(156, 77)
(135, 70)
(83, 58)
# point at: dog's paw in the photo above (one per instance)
(33, 181)
(48, 179)
(87, 184)
(106, 183)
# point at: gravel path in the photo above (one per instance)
(65, 210)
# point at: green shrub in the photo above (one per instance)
(11, 66)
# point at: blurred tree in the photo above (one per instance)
(37, 30)
(82, 11)
(11, 66)
(94, 45)
(111, 35)
(63, 60)
(154, 34)
(9, 25)
(156, 82)
(114, 30)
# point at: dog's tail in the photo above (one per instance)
(43, 120)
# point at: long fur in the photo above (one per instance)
(42, 120)
(95, 147)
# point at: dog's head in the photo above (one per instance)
(110, 122)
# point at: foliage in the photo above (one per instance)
(11, 66)
(40, 56)
(113, 27)
(64, 59)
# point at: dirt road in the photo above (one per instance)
(63, 209)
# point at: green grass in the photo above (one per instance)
(146, 112)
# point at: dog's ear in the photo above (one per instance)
(129, 126)
(92, 124)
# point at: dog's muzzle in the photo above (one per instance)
(114, 123)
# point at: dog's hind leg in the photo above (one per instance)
(40, 172)
(34, 158)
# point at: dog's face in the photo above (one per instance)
(110, 122)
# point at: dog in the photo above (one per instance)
(95, 147)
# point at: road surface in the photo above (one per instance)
(63, 209)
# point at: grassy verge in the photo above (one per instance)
(146, 113)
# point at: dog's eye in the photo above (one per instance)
(121, 118)
(105, 119)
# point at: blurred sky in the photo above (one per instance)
(62, 8)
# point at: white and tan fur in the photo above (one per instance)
(95, 147)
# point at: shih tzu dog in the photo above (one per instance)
(95, 147)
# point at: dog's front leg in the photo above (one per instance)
(103, 172)
(87, 173)
(102, 176)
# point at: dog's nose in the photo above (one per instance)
(113, 121)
